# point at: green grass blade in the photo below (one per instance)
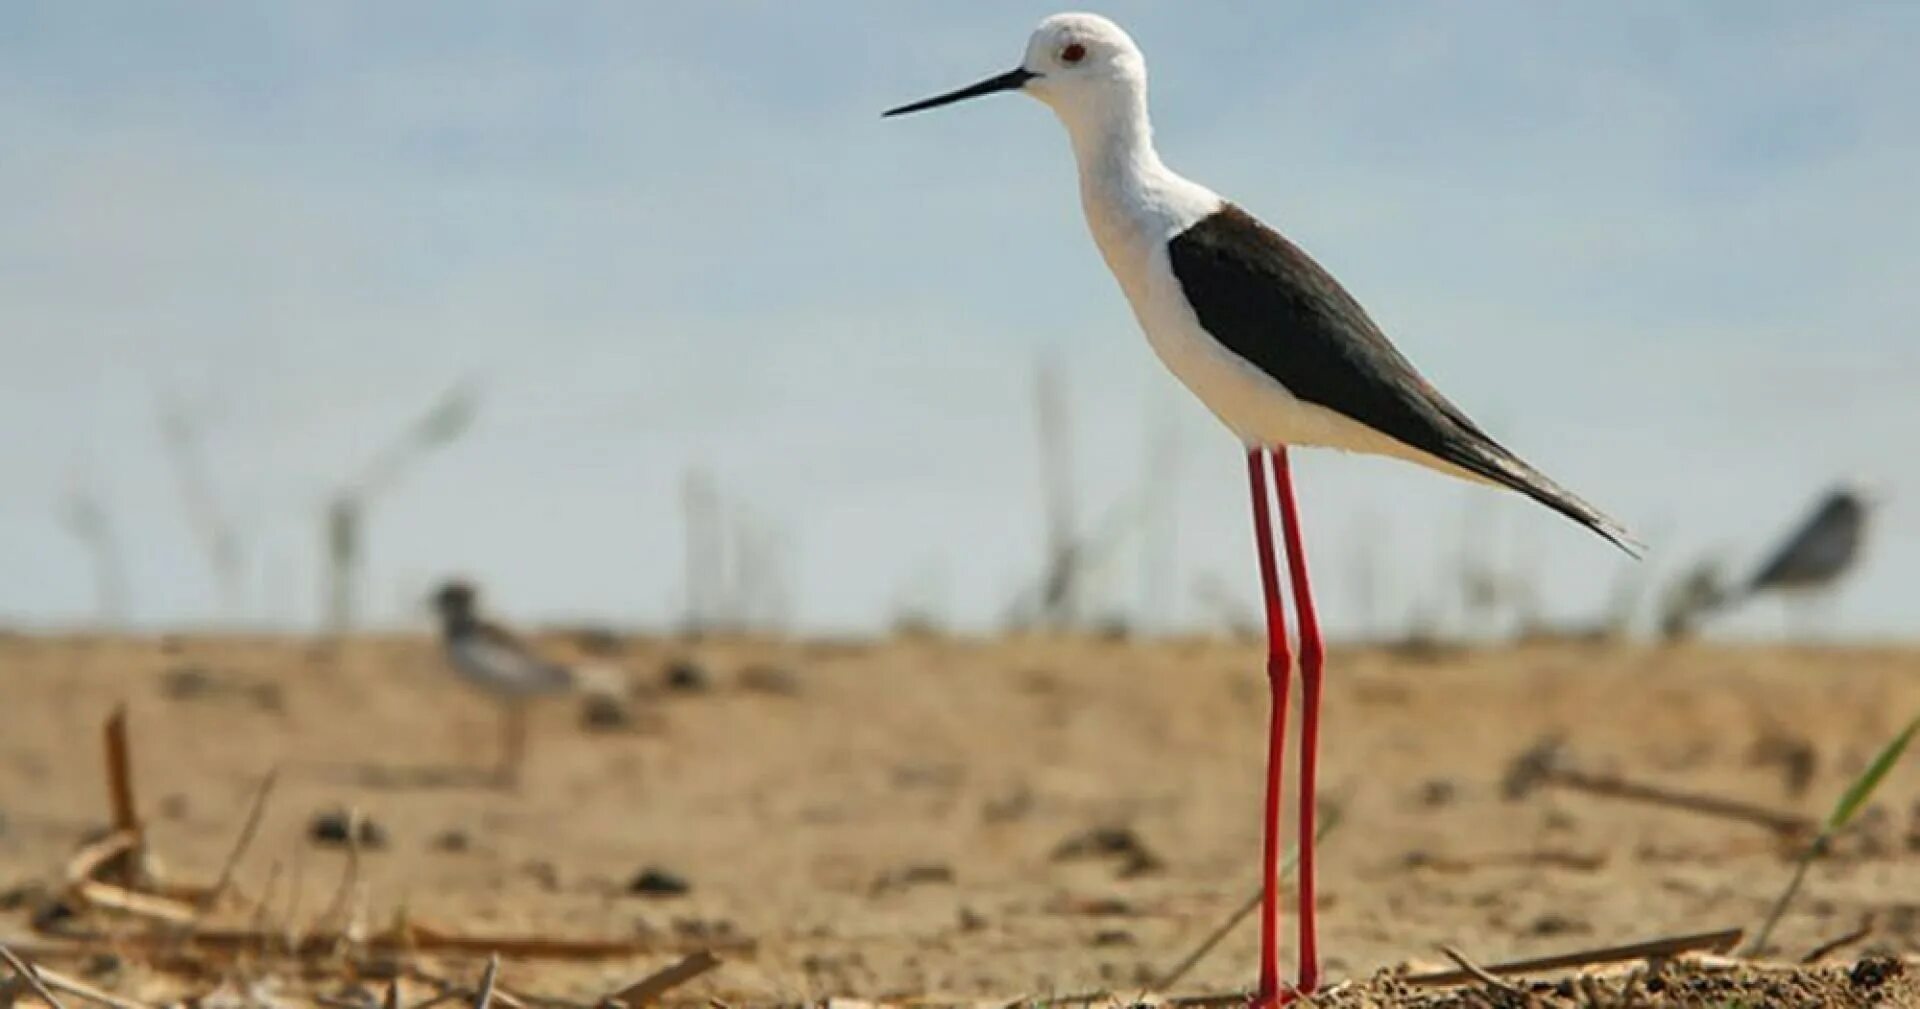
(1328, 821)
(1862, 788)
(1850, 803)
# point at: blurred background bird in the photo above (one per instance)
(1803, 569)
(1821, 548)
(490, 657)
(1816, 554)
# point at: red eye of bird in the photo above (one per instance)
(1073, 53)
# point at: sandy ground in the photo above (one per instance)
(884, 818)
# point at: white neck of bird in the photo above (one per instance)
(1113, 144)
(1131, 198)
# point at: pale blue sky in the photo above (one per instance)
(1666, 251)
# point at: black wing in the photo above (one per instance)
(1271, 304)
(1821, 549)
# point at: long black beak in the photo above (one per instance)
(1012, 80)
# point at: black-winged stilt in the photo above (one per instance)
(491, 658)
(1821, 548)
(1273, 345)
(1816, 555)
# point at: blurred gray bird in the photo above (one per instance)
(493, 659)
(1821, 548)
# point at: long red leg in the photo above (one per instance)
(1312, 661)
(1278, 662)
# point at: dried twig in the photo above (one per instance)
(340, 905)
(240, 844)
(1076, 998)
(504, 997)
(1481, 974)
(1788, 825)
(291, 938)
(443, 997)
(86, 862)
(1581, 861)
(415, 939)
(118, 847)
(120, 789)
(484, 997)
(1713, 942)
(649, 989)
(532, 1001)
(268, 891)
(1544, 764)
(1172, 977)
(31, 976)
(144, 905)
(425, 939)
(1820, 952)
(82, 990)
(449, 991)
(1225, 1001)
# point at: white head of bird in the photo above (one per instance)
(1083, 66)
(1090, 72)
(1087, 69)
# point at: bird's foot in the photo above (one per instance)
(1272, 999)
(1308, 983)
